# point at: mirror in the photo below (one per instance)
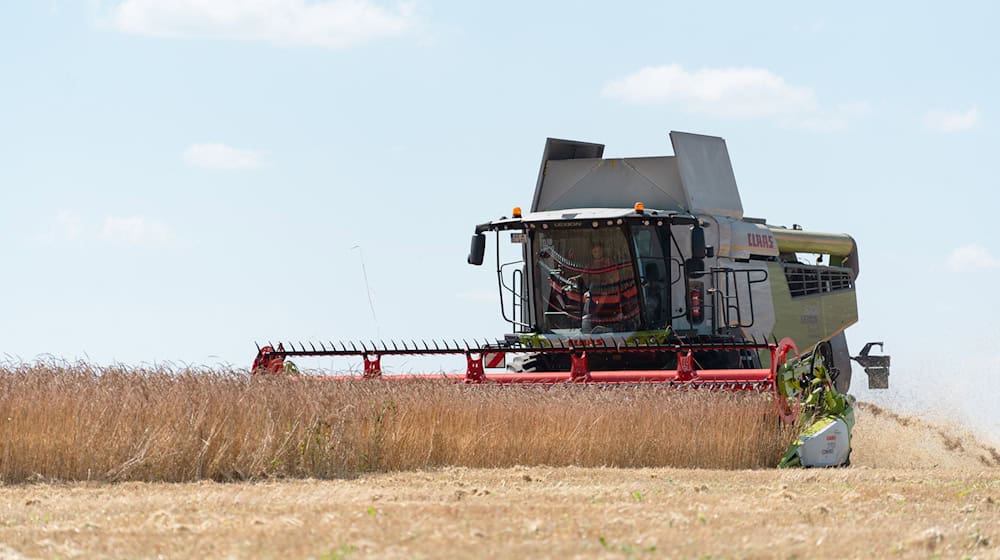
(478, 249)
(697, 242)
(695, 266)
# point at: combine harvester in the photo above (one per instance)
(645, 271)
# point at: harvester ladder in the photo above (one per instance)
(726, 309)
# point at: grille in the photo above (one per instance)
(805, 280)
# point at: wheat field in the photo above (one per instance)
(77, 422)
(358, 469)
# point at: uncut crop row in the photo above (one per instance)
(80, 422)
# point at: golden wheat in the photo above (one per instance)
(80, 422)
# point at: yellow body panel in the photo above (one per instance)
(811, 318)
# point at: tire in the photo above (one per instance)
(841, 361)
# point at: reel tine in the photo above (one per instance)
(313, 347)
(394, 348)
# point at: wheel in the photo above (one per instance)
(842, 362)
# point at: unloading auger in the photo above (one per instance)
(636, 271)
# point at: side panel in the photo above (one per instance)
(558, 150)
(610, 183)
(809, 319)
(707, 174)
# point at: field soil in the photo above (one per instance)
(915, 490)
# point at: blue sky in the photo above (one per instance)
(181, 178)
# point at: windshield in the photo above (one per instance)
(586, 281)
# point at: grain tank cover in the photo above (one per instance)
(698, 178)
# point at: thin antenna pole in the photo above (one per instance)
(371, 303)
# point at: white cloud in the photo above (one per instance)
(65, 226)
(732, 93)
(952, 121)
(68, 226)
(970, 258)
(329, 23)
(135, 231)
(221, 156)
(725, 92)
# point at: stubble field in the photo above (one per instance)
(915, 490)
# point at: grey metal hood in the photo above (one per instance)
(698, 178)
